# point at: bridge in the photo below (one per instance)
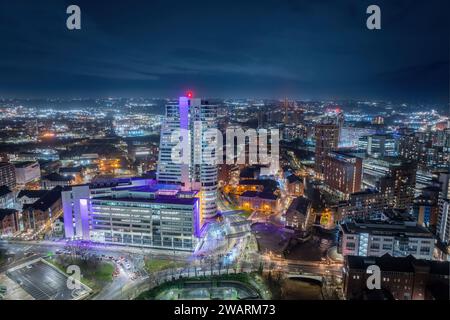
(305, 276)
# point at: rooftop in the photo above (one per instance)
(46, 201)
(4, 190)
(57, 177)
(32, 194)
(398, 264)
(385, 228)
(261, 195)
(24, 164)
(300, 204)
(6, 212)
(4, 164)
(71, 169)
(293, 178)
(159, 199)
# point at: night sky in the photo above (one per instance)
(225, 48)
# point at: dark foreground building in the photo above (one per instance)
(404, 278)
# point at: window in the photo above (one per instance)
(350, 245)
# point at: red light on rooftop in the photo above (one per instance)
(189, 94)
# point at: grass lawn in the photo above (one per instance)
(152, 265)
(94, 274)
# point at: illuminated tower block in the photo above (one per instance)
(194, 117)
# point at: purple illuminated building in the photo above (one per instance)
(142, 213)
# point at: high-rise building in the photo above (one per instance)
(7, 175)
(443, 224)
(378, 145)
(193, 119)
(342, 173)
(399, 185)
(409, 147)
(327, 139)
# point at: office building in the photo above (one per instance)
(27, 172)
(144, 215)
(376, 238)
(378, 145)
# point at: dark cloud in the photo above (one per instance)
(266, 48)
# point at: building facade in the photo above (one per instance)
(151, 215)
(405, 278)
(7, 175)
(300, 215)
(27, 172)
(374, 239)
(9, 222)
(193, 119)
(327, 139)
(362, 204)
(343, 173)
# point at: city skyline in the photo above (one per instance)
(225, 151)
(300, 50)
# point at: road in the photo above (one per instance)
(238, 254)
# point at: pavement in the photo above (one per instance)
(44, 282)
(13, 290)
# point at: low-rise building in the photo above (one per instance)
(56, 180)
(259, 201)
(27, 171)
(295, 186)
(76, 172)
(28, 197)
(405, 278)
(44, 211)
(137, 215)
(376, 238)
(9, 222)
(300, 215)
(7, 198)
